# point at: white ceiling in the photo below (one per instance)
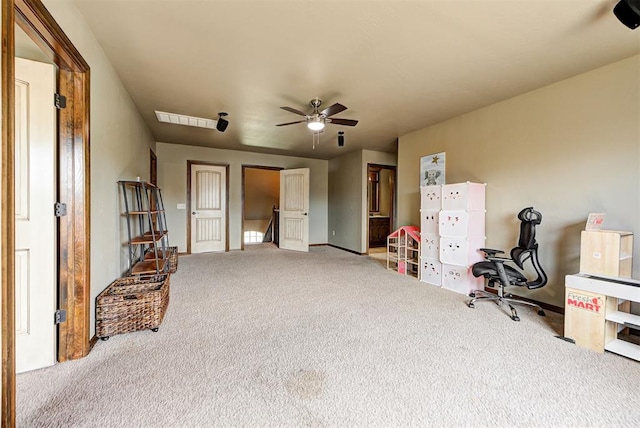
(397, 65)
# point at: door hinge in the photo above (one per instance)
(60, 209)
(60, 101)
(60, 316)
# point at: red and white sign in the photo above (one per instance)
(588, 303)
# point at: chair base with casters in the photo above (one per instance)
(500, 275)
(502, 300)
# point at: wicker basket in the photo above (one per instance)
(131, 304)
(172, 259)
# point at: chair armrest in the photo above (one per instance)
(498, 259)
(490, 252)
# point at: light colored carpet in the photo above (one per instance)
(268, 337)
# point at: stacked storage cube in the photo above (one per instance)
(452, 225)
(462, 234)
(430, 206)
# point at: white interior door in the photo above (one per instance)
(35, 257)
(294, 209)
(208, 208)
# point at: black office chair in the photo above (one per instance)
(501, 275)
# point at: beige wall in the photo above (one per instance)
(348, 209)
(119, 149)
(568, 149)
(172, 179)
(346, 202)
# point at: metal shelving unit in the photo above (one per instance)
(148, 237)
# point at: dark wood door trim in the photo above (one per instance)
(153, 168)
(35, 19)
(226, 166)
(74, 294)
(8, 403)
(392, 196)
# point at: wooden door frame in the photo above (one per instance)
(392, 196)
(74, 294)
(244, 168)
(190, 163)
(153, 168)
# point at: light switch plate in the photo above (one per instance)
(182, 207)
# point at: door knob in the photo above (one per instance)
(304, 213)
(194, 213)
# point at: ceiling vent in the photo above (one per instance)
(181, 119)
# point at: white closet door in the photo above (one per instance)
(35, 225)
(208, 208)
(294, 209)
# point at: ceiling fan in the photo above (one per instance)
(316, 120)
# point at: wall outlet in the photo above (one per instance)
(334, 233)
(182, 206)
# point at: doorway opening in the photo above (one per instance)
(73, 189)
(260, 205)
(381, 182)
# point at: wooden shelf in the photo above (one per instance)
(625, 318)
(138, 183)
(595, 312)
(151, 255)
(606, 252)
(147, 238)
(148, 266)
(627, 349)
(144, 212)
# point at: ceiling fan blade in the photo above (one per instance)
(346, 122)
(334, 109)
(290, 123)
(292, 110)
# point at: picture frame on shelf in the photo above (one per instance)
(432, 169)
(595, 221)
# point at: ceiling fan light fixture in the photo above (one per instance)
(316, 125)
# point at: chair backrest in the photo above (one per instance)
(527, 248)
(529, 219)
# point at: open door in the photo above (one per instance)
(35, 226)
(294, 209)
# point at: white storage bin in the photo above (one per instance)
(431, 271)
(461, 223)
(461, 251)
(460, 279)
(430, 197)
(463, 196)
(430, 245)
(429, 221)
